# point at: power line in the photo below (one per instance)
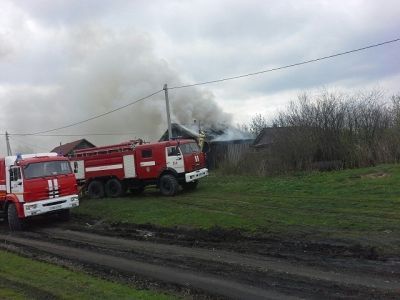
(94, 117)
(28, 144)
(284, 67)
(81, 134)
(213, 81)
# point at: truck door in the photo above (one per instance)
(16, 183)
(147, 167)
(174, 159)
(79, 169)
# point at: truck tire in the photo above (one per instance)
(190, 186)
(14, 222)
(114, 188)
(64, 215)
(95, 189)
(168, 185)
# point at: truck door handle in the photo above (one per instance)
(19, 183)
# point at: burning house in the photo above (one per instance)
(222, 145)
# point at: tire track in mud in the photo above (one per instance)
(257, 262)
(209, 283)
(216, 272)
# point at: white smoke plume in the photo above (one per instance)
(104, 69)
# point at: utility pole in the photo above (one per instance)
(9, 152)
(168, 114)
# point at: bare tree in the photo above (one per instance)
(330, 130)
(257, 124)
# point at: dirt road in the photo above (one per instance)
(212, 273)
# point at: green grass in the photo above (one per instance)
(356, 204)
(23, 278)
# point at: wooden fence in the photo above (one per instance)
(226, 153)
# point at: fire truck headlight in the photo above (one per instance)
(74, 198)
(31, 206)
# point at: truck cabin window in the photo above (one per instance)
(49, 168)
(15, 174)
(189, 148)
(173, 151)
(147, 153)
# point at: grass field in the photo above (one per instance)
(53, 282)
(360, 204)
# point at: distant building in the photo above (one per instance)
(221, 144)
(68, 148)
(270, 135)
(222, 134)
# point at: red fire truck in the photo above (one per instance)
(112, 170)
(35, 184)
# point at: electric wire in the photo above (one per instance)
(213, 81)
(284, 67)
(18, 140)
(91, 118)
(75, 134)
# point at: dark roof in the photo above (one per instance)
(224, 133)
(68, 147)
(181, 132)
(267, 136)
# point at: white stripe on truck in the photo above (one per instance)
(50, 185)
(147, 163)
(103, 168)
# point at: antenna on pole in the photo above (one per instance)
(9, 152)
(168, 114)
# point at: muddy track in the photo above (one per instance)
(300, 247)
(197, 280)
(217, 272)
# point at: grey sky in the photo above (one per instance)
(62, 61)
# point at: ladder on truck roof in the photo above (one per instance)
(122, 147)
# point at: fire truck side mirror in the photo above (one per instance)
(75, 167)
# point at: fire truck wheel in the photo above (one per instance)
(14, 222)
(95, 189)
(168, 185)
(190, 186)
(64, 215)
(114, 188)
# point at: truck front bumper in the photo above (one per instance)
(192, 176)
(48, 205)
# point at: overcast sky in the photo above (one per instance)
(62, 61)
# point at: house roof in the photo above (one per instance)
(268, 135)
(68, 147)
(225, 133)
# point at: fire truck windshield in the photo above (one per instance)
(189, 148)
(48, 168)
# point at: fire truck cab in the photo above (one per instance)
(112, 170)
(36, 184)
